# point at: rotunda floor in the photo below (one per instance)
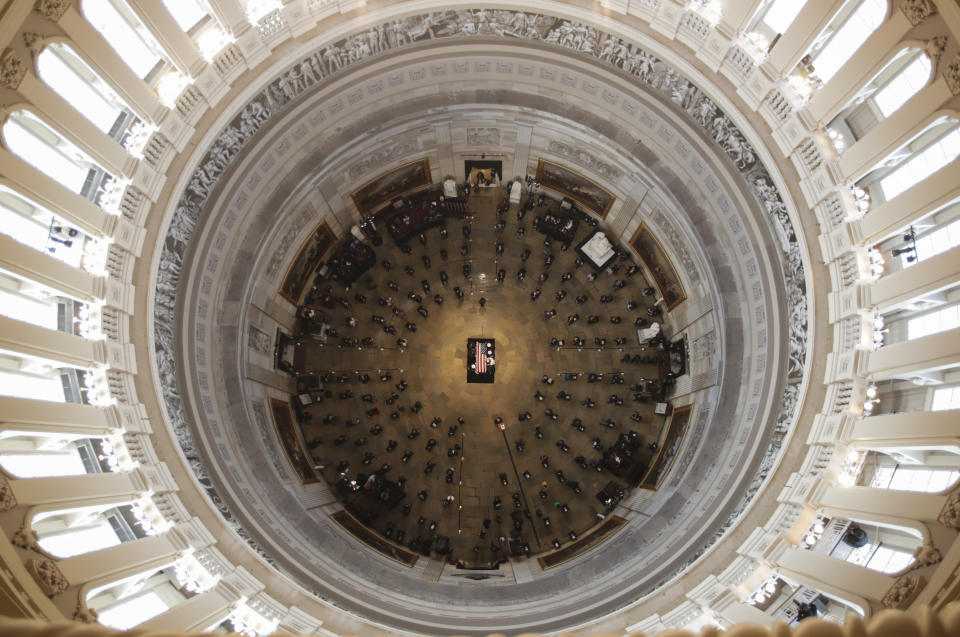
(552, 476)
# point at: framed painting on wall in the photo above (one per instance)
(290, 440)
(572, 184)
(669, 448)
(389, 185)
(664, 275)
(306, 262)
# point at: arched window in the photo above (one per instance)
(934, 242)
(22, 457)
(124, 31)
(30, 302)
(770, 21)
(847, 36)
(899, 80)
(922, 164)
(48, 151)
(127, 604)
(80, 530)
(187, 13)
(22, 377)
(196, 20)
(914, 478)
(886, 548)
(24, 384)
(946, 398)
(67, 74)
(934, 322)
(33, 225)
(878, 556)
(904, 85)
(26, 300)
(780, 14)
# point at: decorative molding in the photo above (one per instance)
(48, 575)
(585, 159)
(935, 48)
(796, 286)
(7, 499)
(950, 513)
(332, 60)
(53, 9)
(382, 157)
(26, 539)
(12, 70)
(34, 42)
(489, 137)
(693, 446)
(951, 75)
(296, 227)
(917, 10)
(903, 591)
(258, 340)
(926, 555)
(704, 347)
(666, 230)
(86, 615)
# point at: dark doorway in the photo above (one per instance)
(487, 173)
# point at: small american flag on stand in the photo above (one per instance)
(481, 358)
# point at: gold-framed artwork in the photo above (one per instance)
(380, 190)
(572, 184)
(287, 432)
(669, 448)
(308, 258)
(665, 277)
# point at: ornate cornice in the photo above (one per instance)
(934, 48)
(951, 75)
(903, 591)
(917, 10)
(53, 9)
(7, 500)
(332, 61)
(34, 42)
(12, 70)
(48, 575)
(950, 513)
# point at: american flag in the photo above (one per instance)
(481, 358)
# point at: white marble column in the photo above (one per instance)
(63, 118)
(856, 585)
(876, 504)
(899, 360)
(231, 14)
(137, 557)
(61, 419)
(98, 53)
(793, 44)
(179, 47)
(913, 430)
(850, 78)
(893, 132)
(75, 210)
(23, 260)
(934, 192)
(200, 612)
(922, 278)
(65, 492)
